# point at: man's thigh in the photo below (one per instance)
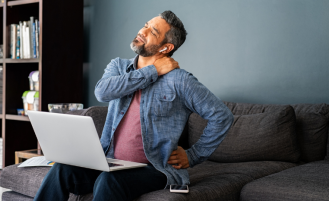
(78, 180)
(132, 182)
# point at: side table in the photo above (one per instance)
(20, 155)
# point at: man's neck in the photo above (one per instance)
(146, 61)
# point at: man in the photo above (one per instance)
(150, 99)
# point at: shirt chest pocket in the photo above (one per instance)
(164, 103)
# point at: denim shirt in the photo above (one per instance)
(166, 103)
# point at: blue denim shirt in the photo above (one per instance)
(166, 103)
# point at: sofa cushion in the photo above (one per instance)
(214, 181)
(312, 130)
(267, 135)
(218, 181)
(11, 195)
(25, 180)
(305, 182)
(250, 108)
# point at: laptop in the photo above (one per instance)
(73, 140)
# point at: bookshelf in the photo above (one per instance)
(59, 64)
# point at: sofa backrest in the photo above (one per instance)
(97, 113)
(258, 133)
(312, 129)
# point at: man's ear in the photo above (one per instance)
(169, 47)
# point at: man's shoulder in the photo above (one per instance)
(123, 60)
(180, 73)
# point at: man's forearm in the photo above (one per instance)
(111, 86)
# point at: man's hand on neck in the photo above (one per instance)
(162, 63)
(146, 61)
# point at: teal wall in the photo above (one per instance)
(256, 51)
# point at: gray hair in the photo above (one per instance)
(177, 33)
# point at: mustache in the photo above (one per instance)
(144, 39)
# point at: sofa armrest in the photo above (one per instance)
(97, 113)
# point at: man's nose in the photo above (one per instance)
(143, 32)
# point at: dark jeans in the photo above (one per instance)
(129, 184)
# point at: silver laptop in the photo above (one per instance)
(73, 140)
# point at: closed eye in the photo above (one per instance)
(145, 26)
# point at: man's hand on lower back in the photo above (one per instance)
(178, 159)
(165, 64)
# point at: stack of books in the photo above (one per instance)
(24, 39)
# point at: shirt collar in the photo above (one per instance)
(133, 63)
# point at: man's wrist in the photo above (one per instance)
(190, 160)
(150, 73)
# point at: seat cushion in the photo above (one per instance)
(269, 135)
(214, 181)
(305, 182)
(312, 130)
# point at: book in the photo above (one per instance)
(18, 43)
(26, 39)
(13, 38)
(33, 41)
(31, 36)
(37, 36)
(21, 39)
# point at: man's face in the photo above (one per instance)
(149, 39)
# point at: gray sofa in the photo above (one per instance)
(272, 152)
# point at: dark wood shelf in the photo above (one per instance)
(55, 57)
(7, 60)
(17, 117)
(21, 2)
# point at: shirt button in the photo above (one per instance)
(113, 129)
(151, 80)
(129, 96)
(122, 112)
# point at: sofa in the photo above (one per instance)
(271, 152)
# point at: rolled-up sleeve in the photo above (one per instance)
(114, 84)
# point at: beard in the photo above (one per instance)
(142, 50)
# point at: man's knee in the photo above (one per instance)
(107, 179)
(60, 169)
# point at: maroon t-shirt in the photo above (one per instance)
(128, 144)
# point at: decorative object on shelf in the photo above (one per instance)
(64, 107)
(20, 112)
(34, 80)
(30, 101)
(24, 39)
